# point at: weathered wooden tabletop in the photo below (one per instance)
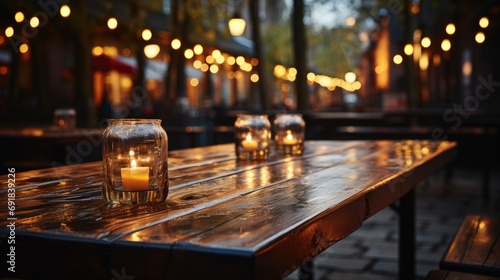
(223, 218)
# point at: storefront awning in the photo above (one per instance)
(106, 63)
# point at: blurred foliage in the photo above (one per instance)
(334, 48)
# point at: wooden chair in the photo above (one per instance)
(454, 275)
(475, 248)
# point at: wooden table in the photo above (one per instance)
(223, 218)
(40, 147)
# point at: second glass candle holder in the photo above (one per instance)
(253, 137)
(289, 130)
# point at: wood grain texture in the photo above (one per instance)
(475, 247)
(454, 275)
(223, 218)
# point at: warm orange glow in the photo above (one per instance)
(397, 59)
(24, 48)
(415, 9)
(467, 68)
(112, 23)
(194, 82)
(484, 22)
(436, 59)
(4, 70)
(382, 60)
(197, 64)
(111, 51)
(198, 49)
(147, 34)
(450, 28)
(311, 76)
(97, 51)
(426, 42)
(216, 54)
(350, 77)
(152, 50)
(188, 53)
(480, 37)
(446, 45)
(408, 49)
(246, 67)
(34, 22)
(9, 31)
(424, 62)
(240, 60)
(220, 59)
(350, 21)
(19, 16)
(65, 11)
(237, 26)
(254, 78)
(209, 59)
(176, 44)
(214, 69)
(279, 70)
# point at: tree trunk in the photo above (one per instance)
(261, 84)
(39, 77)
(299, 46)
(83, 72)
(175, 78)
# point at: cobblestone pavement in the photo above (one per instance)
(371, 252)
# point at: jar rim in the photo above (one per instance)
(253, 115)
(134, 120)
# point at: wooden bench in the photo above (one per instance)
(448, 275)
(475, 247)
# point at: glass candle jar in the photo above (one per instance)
(64, 119)
(289, 130)
(253, 137)
(134, 153)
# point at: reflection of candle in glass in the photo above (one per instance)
(249, 144)
(289, 139)
(135, 178)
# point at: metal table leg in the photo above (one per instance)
(407, 236)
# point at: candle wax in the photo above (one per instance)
(289, 140)
(249, 144)
(135, 178)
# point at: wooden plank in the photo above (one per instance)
(449, 275)
(475, 246)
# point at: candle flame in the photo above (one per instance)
(289, 136)
(133, 163)
(249, 137)
(131, 153)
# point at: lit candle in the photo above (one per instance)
(135, 178)
(289, 139)
(249, 144)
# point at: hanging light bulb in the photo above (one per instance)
(237, 25)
